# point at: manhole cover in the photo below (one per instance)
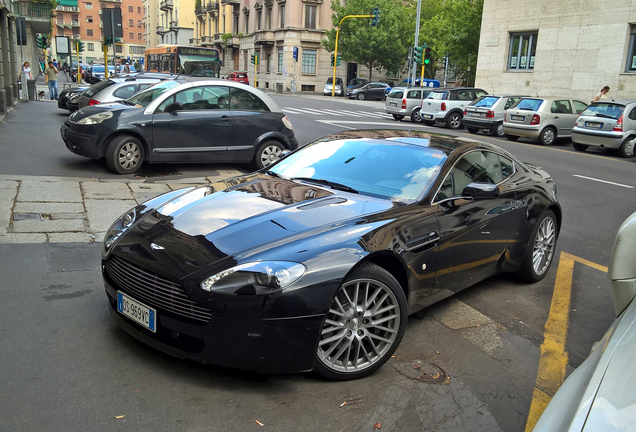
(26, 216)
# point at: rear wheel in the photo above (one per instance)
(626, 150)
(268, 153)
(360, 96)
(498, 130)
(415, 116)
(547, 136)
(579, 147)
(540, 249)
(472, 130)
(364, 324)
(454, 121)
(512, 137)
(398, 117)
(125, 154)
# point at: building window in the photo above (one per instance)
(235, 28)
(247, 24)
(131, 23)
(131, 9)
(89, 32)
(310, 16)
(90, 46)
(139, 36)
(88, 5)
(138, 9)
(268, 18)
(309, 61)
(280, 61)
(523, 48)
(88, 19)
(269, 63)
(118, 49)
(281, 16)
(138, 23)
(631, 54)
(259, 15)
(131, 35)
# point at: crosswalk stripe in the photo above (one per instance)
(344, 113)
(338, 113)
(313, 111)
(291, 111)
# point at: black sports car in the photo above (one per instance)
(316, 261)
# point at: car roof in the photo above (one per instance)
(617, 101)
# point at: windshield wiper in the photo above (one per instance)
(604, 116)
(273, 174)
(333, 185)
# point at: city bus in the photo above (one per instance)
(194, 61)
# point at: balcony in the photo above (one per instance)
(199, 11)
(165, 5)
(37, 14)
(161, 30)
(75, 23)
(195, 41)
(264, 37)
(209, 40)
(211, 7)
(60, 8)
(174, 26)
(230, 2)
(110, 1)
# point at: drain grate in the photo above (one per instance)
(27, 216)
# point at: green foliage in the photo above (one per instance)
(197, 4)
(226, 37)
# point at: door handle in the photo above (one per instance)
(225, 119)
(420, 242)
(556, 117)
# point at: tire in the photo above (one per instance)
(454, 121)
(547, 136)
(472, 130)
(398, 117)
(579, 147)
(125, 154)
(512, 137)
(498, 130)
(541, 245)
(429, 122)
(267, 153)
(626, 150)
(360, 96)
(415, 116)
(349, 325)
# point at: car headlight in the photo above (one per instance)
(261, 277)
(118, 228)
(95, 118)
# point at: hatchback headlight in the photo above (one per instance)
(95, 118)
(261, 277)
(118, 228)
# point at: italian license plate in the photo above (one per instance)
(473, 114)
(593, 125)
(427, 116)
(138, 312)
(393, 103)
(520, 118)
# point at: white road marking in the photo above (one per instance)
(313, 111)
(603, 181)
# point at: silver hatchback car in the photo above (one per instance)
(114, 89)
(544, 118)
(406, 102)
(607, 124)
(488, 112)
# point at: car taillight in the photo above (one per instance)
(535, 119)
(93, 102)
(465, 113)
(287, 123)
(403, 103)
(618, 127)
(490, 114)
(443, 106)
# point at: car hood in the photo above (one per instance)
(205, 225)
(116, 107)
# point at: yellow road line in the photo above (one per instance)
(554, 359)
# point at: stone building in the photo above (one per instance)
(568, 48)
(9, 63)
(175, 22)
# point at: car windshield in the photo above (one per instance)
(528, 104)
(143, 98)
(395, 94)
(437, 95)
(99, 87)
(606, 110)
(395, 170)
(485, 102)
(330, 80)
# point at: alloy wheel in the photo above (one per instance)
(544, 246)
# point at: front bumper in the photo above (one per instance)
(82, 144)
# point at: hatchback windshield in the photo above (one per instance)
(606, 110)
(145, 97)
(528, 104)
(485, 102)
(99, 87)
(397, 170)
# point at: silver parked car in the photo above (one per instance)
(607, 124)
(543, 118)
(339, 90)
(406, 102)
(487, 112)
(115, 89)
(599, 395)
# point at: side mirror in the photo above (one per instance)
(173, 107)
(481, 190)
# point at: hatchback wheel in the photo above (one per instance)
(498, 130)
(364, 324)
(540, 249)
(360, 96)
(579, 147)
(125, 154)
(398, 117)
(415, 116)
(454, 121)
(547, 136)
(268, 153)
(626, 150)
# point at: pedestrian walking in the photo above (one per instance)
(25, 76)
(50, 78)
(602, 94)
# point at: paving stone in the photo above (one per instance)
(48, 226)
(49, 191)
(177, 186)
(48, 208)
(143, 192)
(71, 238)
(119, 191)
(102, 213)
(458, 315)
(8, 191)
(55, 216)
(22, 238)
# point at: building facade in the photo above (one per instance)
(9, 66)
(175, 22)
(569, 48)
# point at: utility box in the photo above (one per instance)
(31, 89)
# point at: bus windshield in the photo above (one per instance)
(198, 65)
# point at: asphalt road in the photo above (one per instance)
(65, 366)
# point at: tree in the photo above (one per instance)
(384, 46)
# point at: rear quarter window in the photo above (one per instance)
(414, 94)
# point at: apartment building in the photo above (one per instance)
(175, 22)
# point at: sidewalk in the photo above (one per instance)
(36, 209)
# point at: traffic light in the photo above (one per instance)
(338, 60)
(109, 41)
(332, 60)
(40, 41)
(427, 56)
(375, 20)
(253, 59)
(417, 55)
(80, 46)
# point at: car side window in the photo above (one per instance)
(126, 91)
(561, 107)
(476, 166)
(507, 167)
(479, 93)
(510, 102)
(464, 95)
(243, 100)
(145, 86)
(413, 94)
(453, 96)
(579, 106)
(632, 114)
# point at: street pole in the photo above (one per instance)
(79, 74)
(112, 27)
(105, 47)
(335, 56)
(417, 36)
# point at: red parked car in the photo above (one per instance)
(239, 77)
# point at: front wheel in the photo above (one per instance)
(398, 117)
(364, 324)
(360, 96)
(579, 147)
(540, 249)
(454, 121)
(125, 155)
(626, 150)
(268, 153)
(415, 116)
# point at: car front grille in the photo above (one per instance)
(154, 290)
